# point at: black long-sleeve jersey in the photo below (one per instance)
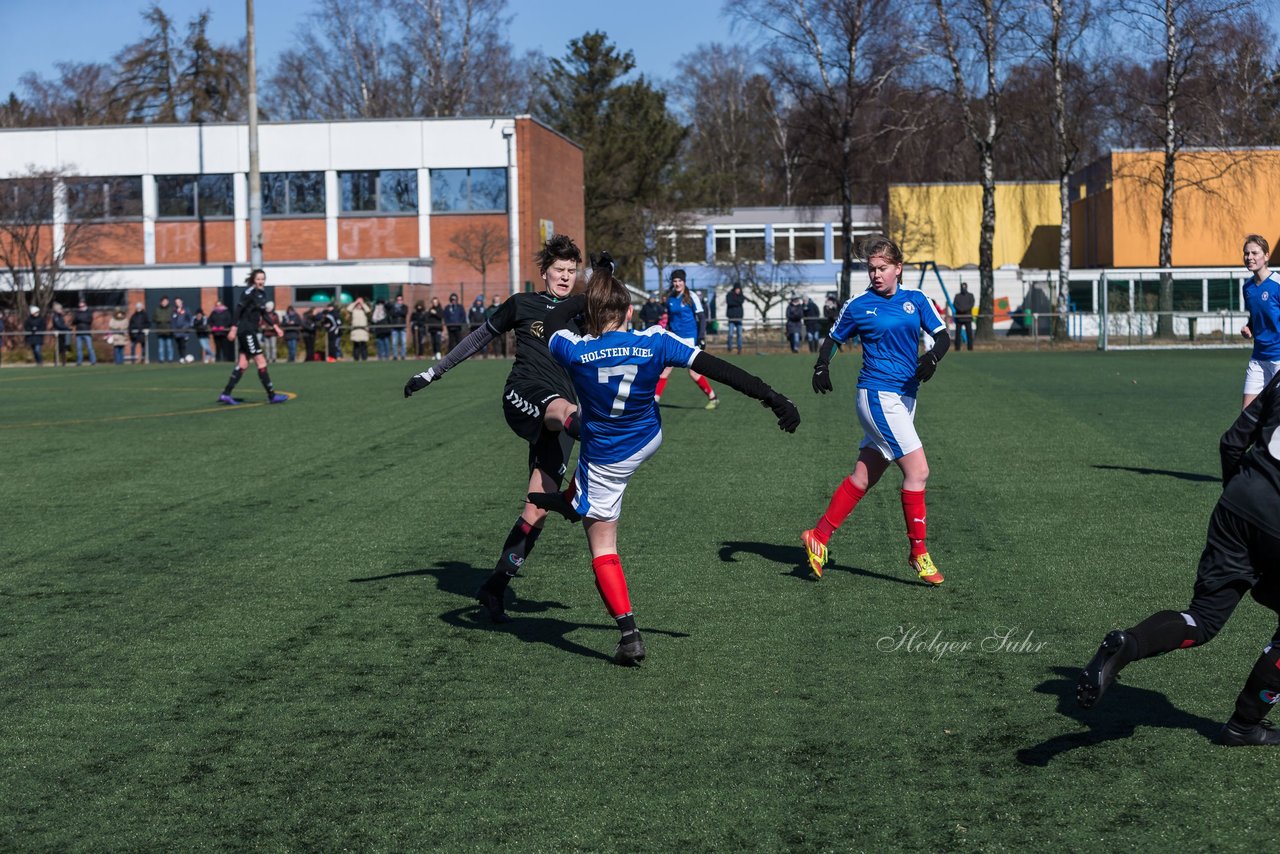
(251, 306)
(1250, 452)
(526, 314)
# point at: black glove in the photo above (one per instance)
(702, 343)
(925, 366)
(418, 382)
(788, 415)
(822, 378)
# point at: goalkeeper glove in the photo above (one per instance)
(822, 378)
(925, 366)
(788, 415)
(418, 382)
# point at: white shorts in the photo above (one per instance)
(888, 420)
(1258, 374)
(598, 487)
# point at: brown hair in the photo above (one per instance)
(559, 248)
(1260, 240)
(607, 300)
(878, 244)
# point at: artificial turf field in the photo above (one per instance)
(252, 627)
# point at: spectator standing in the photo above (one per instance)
(733, 302)
(82, 320)
(475, 316)
(62, 335)
(455, 318)
(651, 311)
(963, 306)
(200, 325)
(220, 327)
(139, 323)
(359, 315)
(418, 320)
(499, 345)
(830, 311)
(795, 322)
(812, 324)
(35, 327)
(270, 323)
(181, 329)
(308, 325)
(398, 318)
(331, 320)
(118, 335)
(435, 325)
(382, 330)
(162, 322)
(292, 328)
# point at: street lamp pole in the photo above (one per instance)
(255, 174)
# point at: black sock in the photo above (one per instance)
(515, 550)
(1162, 632)
(1261, 689)
(236, 374)
(265, 379)
(572, 425)
(627, 624)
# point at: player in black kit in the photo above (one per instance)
(538, 402)
(1241, 555)
(250, 308)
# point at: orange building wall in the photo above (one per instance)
(97, 244)
(448, 272)
(195, 242)
(292, 240)
(1222, 196)
(551, 188)
(378, 237)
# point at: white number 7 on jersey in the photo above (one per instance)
(628, 374)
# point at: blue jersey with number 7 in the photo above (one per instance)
(615, 376)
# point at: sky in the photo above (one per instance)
(94, 30)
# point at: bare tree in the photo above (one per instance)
(834, 58)
(664, 224)
(764, 284)
(34, 244)
(986, 25)
(479, 247)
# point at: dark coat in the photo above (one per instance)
(139, 323)
(35, 327)
(733, 303)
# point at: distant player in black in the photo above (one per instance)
(538, 402)
(1241, 555)
(251, 309)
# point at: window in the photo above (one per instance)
(744, 243)
(468, 190)
(26, 200)
(104, 198)
(691, 248)
(791, 243)
(202, 196)
(292, 193)
(388, 191)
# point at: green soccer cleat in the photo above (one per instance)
(712, 403)
(926, 569)
(815, 550)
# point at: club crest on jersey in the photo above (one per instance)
(1269, 697)
(909, 308)
(535, 329)
(1266, 295)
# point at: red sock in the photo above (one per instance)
(843, 500)
(705, 386)
(913, 511)
(662, 383)
(612, 584)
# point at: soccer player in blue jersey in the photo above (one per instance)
(1262, 300)
(687, 320)
(616, 372)
(889, 320)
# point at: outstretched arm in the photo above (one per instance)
(467, 347)
(750, 385)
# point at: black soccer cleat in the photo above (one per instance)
(554, 502)
(1101, 671)
(492, 604)
(630, 650)
(1261, 734)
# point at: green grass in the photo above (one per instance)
(253, 627)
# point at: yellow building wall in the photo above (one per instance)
(1221, 197)
(943, 223)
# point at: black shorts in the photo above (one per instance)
(525, 406)
(1238, 558)
(250, 344)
